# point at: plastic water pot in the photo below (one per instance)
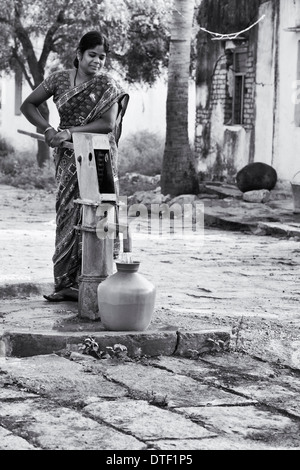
(126, 299)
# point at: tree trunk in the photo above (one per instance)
(43, 153)
(178, 169)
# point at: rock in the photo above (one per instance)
(184, 199)
(147, 198)
(261, 195)
(255, 176)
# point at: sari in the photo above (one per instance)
(77, 106)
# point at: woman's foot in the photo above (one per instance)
(69, 293)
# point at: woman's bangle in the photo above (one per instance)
(48, 129)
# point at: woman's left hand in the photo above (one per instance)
(60, 137)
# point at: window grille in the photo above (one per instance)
(239, 70)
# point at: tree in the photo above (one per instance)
(178, 168)
(39, 36)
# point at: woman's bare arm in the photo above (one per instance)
(30, 110)
(30, 105)
(104, 125)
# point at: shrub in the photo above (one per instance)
(22, 171)
(141, 152)
(5, 148)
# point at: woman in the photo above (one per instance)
(88, 100)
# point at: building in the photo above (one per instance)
(248, 87)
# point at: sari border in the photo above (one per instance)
(104, 104)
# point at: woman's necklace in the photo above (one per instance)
(75, 78)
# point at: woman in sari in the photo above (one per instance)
(88, 100)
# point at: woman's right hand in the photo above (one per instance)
(49, 136)
(60, 137)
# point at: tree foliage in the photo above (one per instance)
(148, 41)
(40, 36)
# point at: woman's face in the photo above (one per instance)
(92, 60)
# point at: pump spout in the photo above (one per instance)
(127, 238)
(126, 232)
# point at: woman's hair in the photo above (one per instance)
(89, 41)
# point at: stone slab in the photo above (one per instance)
(272, 394)
(202, 342)
(9, 441)
(229, 366)
(214, 443)
(279, 229)
(223, 191)
(146, 421)
(161, 386)
(249, 422)
(256, 380)
(9, 393)
(149, 343)
(60, 379)
(50, 427)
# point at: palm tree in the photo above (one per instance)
(178, 168)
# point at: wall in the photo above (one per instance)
(10, 123)
(271, 130)
(222, 148)
(265, 85)
(147, 109)
(287, 138)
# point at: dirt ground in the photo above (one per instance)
(246, 282)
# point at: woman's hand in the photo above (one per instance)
(60, 137)
(49, 135)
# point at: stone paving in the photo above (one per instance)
(197, 392)
(51, 402)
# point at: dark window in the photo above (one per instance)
(238, 95)
(238, 100)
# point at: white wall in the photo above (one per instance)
(277, 138)
(147, 109)
(264, 92)
(287, 143)
(10, 123)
